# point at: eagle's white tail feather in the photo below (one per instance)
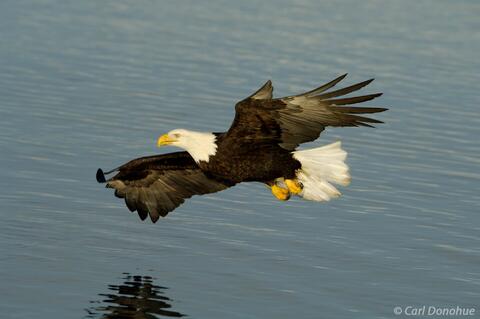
(320, 167)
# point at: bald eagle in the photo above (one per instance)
(260, 146)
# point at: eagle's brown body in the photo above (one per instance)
(258, 163)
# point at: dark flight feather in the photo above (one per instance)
(348, 89)
(264, 93)
(352, 100)
(323, 87)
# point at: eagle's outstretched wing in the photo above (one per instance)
(292, 120)
(156, 185)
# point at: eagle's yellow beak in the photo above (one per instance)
(165, 140)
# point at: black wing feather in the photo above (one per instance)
(352, 100)
(348, 89)
(264, 93)
(155, 185)
(324, 87)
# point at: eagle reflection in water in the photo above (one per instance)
(136, 298)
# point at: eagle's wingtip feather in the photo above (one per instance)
(100, 176)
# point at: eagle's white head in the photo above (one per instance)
(200, 145)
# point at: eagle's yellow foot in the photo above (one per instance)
(280, 193)
(294, 186)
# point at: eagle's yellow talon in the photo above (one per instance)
(280, 193)
(294, 186)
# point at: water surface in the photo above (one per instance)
(91, 84)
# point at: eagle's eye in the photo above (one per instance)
(176, 135)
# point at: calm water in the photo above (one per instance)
(87, 84)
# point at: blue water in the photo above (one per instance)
(88, 84)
